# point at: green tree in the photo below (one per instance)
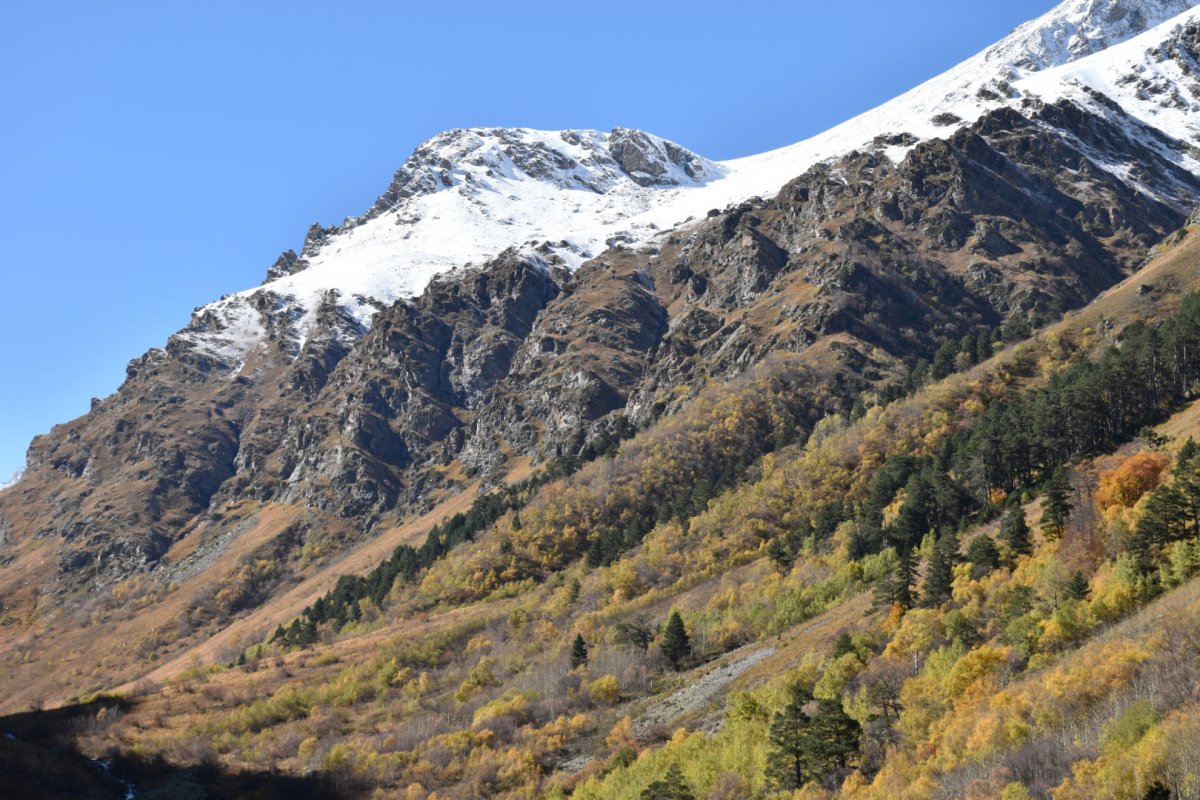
(671, 786)
(808, 747)
(1057, 507)
(1162, 521)
(790, 737)
(1077, 587)
(837, 735)
(1014, 532)
(637, 632)
(675, 644)
(983, 555)
(940, 574)
(782, 552)
(579, 652)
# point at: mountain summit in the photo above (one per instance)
(466, 195)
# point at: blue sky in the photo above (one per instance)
(158, 155)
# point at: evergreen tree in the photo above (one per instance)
(1058, 504)
(807, 748)
(983, 555)
(1077, 587)
(675, 645)
(671, 786)
(943, 361)
(894, 587)
(790, 737)
(940, 574)
(782, 553)
(837, 736)
(1187, 482)
(1014, 532)
(579, 652)
(1162, 521)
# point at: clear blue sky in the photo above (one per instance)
(155, 156)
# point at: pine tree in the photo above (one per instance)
(940, 574)
(1014, 532)
(1187, 482)
(1162, 521)
(807, 748)
(1058, 504)
(983, 555)
(579, 652)
(1077, 587)
(671, 786)
(675, 645)
(790, 737)
(837, 736)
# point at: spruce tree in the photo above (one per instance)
(940, 574)
(1058, 504)
(1014, 532)
(579, 652)
(676, 645)
(983, 556)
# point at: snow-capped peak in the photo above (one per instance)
(466, 195)
(1077, 28)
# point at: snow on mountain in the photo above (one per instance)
(466, 195)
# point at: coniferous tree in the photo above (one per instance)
(1077, 587)
(1162, 521)
(782, 553)
(1187, 482)
(1014, 532)
(791, 738)
(671, 786)
(808, 747)
(579, 652)
(1058, 504)
(894, 587)
(675, 645)
(983, 556)
(837, 737)
(940, 574)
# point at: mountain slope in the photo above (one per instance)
(519, 296)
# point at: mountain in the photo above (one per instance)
(616, 336)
